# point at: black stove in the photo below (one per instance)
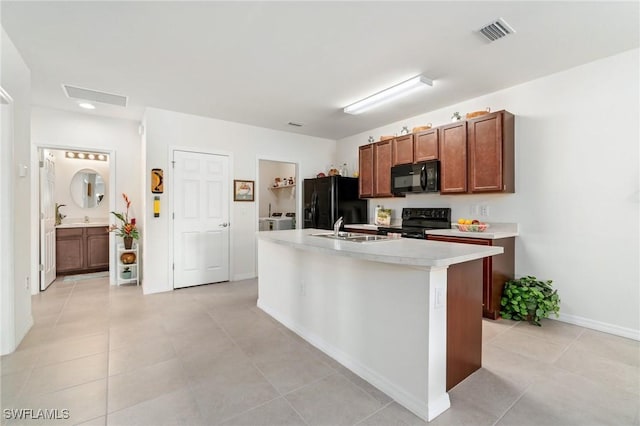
(417, 220)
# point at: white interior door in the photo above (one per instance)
(47, 221)
(201, 218)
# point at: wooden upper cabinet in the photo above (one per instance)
(491, 153)
(402, 150)
(365, 160)
(426, 145)
(453, 158)
(382, 161)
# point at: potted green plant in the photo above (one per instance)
(530, 299)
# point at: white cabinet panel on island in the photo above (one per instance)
(405, 315)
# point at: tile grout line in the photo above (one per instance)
(280, 394)
(374, 413)
(526, 389)
(569, 346)
(335, 372)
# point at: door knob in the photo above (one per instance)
(224, 224)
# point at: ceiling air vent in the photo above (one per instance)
(496, 30)
(94, 95)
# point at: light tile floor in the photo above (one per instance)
(207, 355)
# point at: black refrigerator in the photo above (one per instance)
(328, 198)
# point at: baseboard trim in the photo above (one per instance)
(242, 277)
(616, 330)
(413, 404)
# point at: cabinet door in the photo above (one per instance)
(69, 250)
(402, 150)
(382, 160)
(485, 153)
(97, 248)
(365, 161)
(491, 153)
(426, 145)
(453, 158)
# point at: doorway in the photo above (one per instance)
(75, 190)
(277, 195)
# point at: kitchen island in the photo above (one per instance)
(405, 315)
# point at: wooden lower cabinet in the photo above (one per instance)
(496, 270)
(82, 249)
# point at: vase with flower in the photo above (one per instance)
(127, 229)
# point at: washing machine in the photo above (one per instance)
(276, 222)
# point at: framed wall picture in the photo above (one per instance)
(242, 190)
(157, 184)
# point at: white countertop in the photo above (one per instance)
(404, 251)
(495, 231)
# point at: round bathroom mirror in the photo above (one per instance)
(87, 188)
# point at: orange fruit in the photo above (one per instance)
(461, 221)
(468, 222)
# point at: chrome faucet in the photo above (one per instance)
(337, 225)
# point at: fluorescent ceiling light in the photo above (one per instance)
(86, 105)
(390, 94)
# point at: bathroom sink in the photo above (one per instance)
(355, 237)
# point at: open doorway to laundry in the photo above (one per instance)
(75, 196)
(277, 195)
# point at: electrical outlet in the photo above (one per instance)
(484, 210)
(27, 283)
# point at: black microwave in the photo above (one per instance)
(416, 178)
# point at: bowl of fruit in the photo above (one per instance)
(471, 225)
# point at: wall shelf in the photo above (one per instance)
(282, 187)
(128, 272)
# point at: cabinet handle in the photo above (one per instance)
(224, 225)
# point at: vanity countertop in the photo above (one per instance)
(81, 224)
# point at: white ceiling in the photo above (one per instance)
(268, 63)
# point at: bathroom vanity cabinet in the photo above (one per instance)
(82, 249)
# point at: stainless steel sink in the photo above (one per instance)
(355, 237)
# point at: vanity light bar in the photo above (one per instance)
(87, 156)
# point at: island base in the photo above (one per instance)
(385, 322)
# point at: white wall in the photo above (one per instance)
(66, 168)
(167, 129)
(282, 200)
(577, 186)
(67, 130)
(15, 79)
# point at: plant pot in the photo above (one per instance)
(125, 275)
(128, 242)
